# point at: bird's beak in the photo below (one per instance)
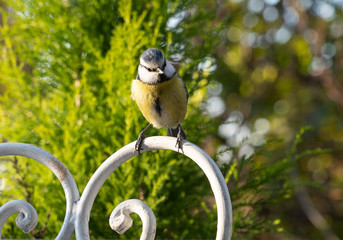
(159, 71)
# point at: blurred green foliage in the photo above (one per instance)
(65, 74)
(278, 67)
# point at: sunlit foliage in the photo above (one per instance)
(256, 70)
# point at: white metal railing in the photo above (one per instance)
(78, 207)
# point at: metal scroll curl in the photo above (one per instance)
(120, 220)
(78, 209)
(209, 167)
(26, 220)
(61, 172)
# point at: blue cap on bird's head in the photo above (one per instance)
(152, 58)
(154, 68)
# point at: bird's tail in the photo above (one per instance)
(173, 132)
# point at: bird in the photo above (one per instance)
(161, 96)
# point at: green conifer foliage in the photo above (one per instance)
(66, 71)
(65, 74)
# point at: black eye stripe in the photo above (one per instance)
(155, 69)
(149, 69)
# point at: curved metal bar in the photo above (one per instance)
(68, 183)
(120, 220)
(216, 179)
(27, 219)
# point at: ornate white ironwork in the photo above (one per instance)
(120, 220)
(27, 219)
(78, 208)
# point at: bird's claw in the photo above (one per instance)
(138, 146)
(179, 143)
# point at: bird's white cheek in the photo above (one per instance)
(147, 77)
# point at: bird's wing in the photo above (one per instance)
(184, 86)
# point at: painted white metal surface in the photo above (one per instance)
(79, 208)
(61, 172)
(120, 220)
(27, 219)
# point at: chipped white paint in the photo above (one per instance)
(79, 208)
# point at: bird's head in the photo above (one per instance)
(154, 67)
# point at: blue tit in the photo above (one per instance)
(161, 95)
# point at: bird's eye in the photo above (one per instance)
(149, 69)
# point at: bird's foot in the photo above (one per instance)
(138, 146)
(179, 143)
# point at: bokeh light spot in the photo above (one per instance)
(270, 14)
(249, 39)
(291, 16)
(250, 20)
(318, 65)
(214, 106)
(262, 125)
(320, 176)
(281, 107)
(234, 34)
(311, 36)
(224, 155)
(336, 29)
(235, 117)
(328, 50)
(245, 151)
(215, 88)
(255, 6)
(324, 10)
(303, 5)
(256, 139)
(227, 130)
(282, 35)
(243, 134)
(272, 2)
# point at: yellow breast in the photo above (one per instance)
(164, 104)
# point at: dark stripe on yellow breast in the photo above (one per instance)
(158, 107)
(164, 104)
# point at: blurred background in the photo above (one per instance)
(258, 72)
